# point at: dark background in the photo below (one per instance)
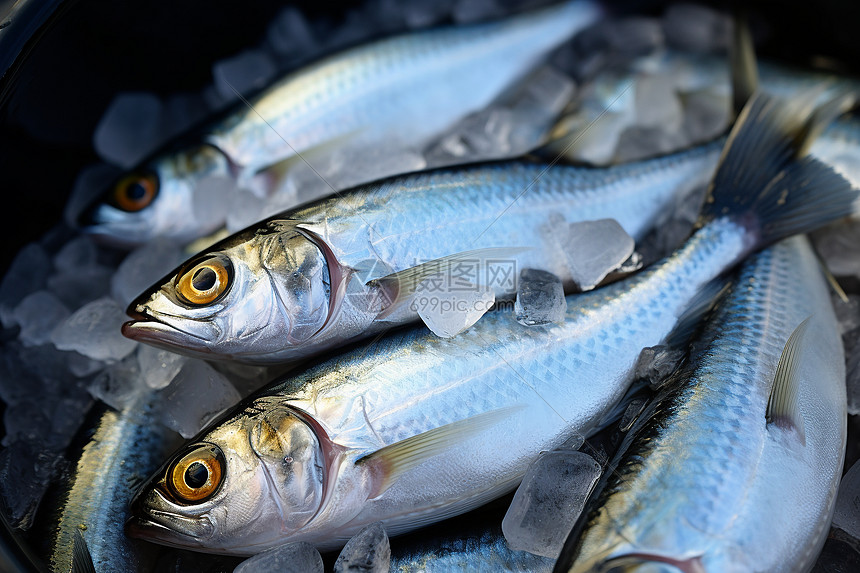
(64, 73)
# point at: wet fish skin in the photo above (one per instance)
(345, 241)
(358, 400)
(127, 445)
(705, 483)
(478, 549)
(393, 94)
(405, 430)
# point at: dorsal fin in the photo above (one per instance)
(782, 406)
(390, 462)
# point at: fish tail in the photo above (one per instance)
(766, 183)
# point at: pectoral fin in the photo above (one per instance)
(783, 407)
(399, 287)
(82, 561)
(697, 312)
(393, 460)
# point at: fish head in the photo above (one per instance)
(251, 482)
(155, 200)
(255, 297)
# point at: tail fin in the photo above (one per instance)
(763, 182)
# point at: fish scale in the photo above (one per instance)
(708, 444)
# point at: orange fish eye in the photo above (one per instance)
(196, 476)
(206, 281)
(135, 191)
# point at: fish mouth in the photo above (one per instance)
(151, 519)
(156, 332)
(652, 563)
(151, 530)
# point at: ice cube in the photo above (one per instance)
(82, 366)
(77, 288)
(28, 272)
(77, 254)
(426, 13)
(846, 515)
(244, 208)
(582, 137)
(91, 182)
(696, 28)
(130, 129)
(301, 557)
(540, 298)
(141, 268)
(26, 469)
(289, 36)
(595, 248)
(355, 164)
(196, 396)
(32, 370)
(24, 421)
(118, 384)
(94, 331)
(656, 363)
(839, 246)
(548, 501)
(480, 135)
(512, 126)
(706, 115)
(183, 110)
(469, 11)
(355, 28)
(847, 313)
(851, 341)
(158, 367)
(38, 314)
(367, 551)
(449, 306)
(657, 104)
(210, 200)
(634, 36)
(245, 73)
(631, 412)
(636, 143)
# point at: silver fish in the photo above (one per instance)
(407, 429)
(476, 549)
(317, 277)
(736, 466)
(127, 445)
(392, 94)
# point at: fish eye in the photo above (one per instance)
(135, 191)
(196, 476)
(206, 281)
